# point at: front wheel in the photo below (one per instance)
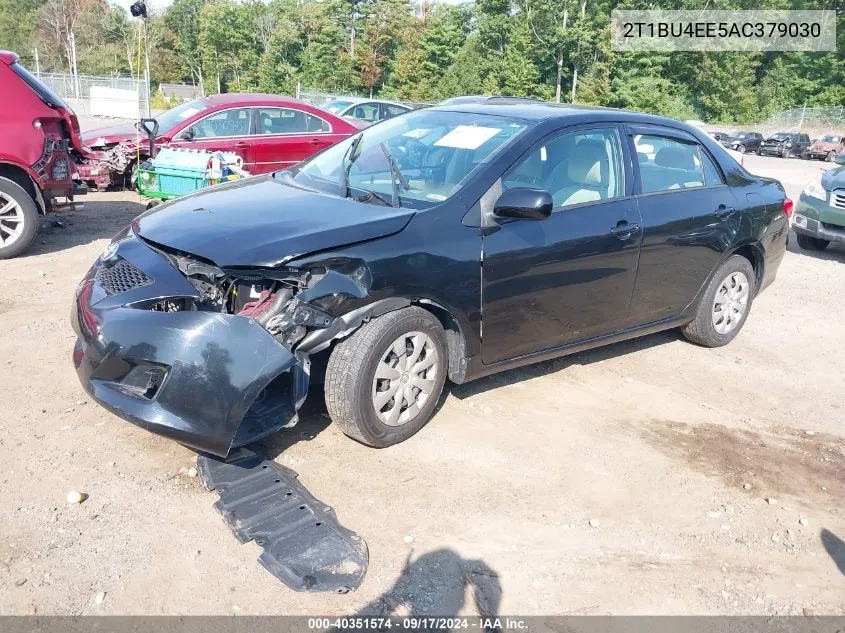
(18, 219)
(725, 304)
(809, 243)
(384, 381)
(831, 157)
(741, 149)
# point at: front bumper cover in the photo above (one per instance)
(215, 380)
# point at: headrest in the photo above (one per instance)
(676, 157)
(586, 161)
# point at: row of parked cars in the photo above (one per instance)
(783, 144)
(45, 158)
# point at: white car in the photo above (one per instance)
(371, 110)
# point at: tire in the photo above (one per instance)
(741, 149)
(786, 154)
(831, 157)
(351, 385)
(811, 243)
(130, 176)
(19, 222)
(703, 328)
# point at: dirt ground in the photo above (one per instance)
(649, 477)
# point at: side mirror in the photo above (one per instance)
(524, 204)
(150, 126)
(840, 159)
(188, 133)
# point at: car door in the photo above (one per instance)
(222, 131)
(689, 218)
(285, 136)
(365, 111)
(569, 277)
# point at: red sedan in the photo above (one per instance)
(269, 132)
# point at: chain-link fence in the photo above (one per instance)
(88, 95)
(801, 118)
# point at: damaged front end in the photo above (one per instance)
(107, 164)
(212, 357)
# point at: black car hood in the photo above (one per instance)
(263, 222)
(834, 178)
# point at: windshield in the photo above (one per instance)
(435, 152)
(336, 106)
(829, 139)
(173, 117)
(44, 93)
(779, 136)
(742, 134)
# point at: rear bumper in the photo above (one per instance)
(205, 379)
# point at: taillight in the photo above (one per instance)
(787, 207)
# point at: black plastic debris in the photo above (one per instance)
(304, 545)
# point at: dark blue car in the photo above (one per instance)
(446, 243)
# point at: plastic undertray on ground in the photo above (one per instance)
(304, 545)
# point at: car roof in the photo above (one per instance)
(8, 57)
(543, 111)
(354, 100)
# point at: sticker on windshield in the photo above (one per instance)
(416, 133)
(188, 112)
(468, 137)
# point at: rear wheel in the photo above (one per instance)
(812, 243)
(18, 219)
(383, 382)
(725, 304)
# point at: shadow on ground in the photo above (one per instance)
(100, 219)
(833, 253)
(538, 370)
(834, 546)
(436, 584)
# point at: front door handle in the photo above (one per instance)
(241, 144)
(623, 230)
(723, 210)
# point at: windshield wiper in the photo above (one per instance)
(395, 175)
(370, 195)
(352, 155)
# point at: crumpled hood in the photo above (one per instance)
(834, 178)
(262, 222)
(111, 134)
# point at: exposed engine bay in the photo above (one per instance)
(287, 302)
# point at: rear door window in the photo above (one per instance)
(288, 121)
(668, 163)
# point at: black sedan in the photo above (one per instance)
(447, 243)
(743, 141)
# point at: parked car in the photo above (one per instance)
(202, 321)
(370, 110)
(825, 148)
(718, 136)
(784, 144)
(39, 141)
(820, 213)
(743, 141)
(268, 131)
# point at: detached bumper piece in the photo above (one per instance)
(304, 545)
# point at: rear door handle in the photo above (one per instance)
(723, 210)
(319, 141)
(623, 230)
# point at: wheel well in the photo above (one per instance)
(454, 339)
(752, 255)
(20, 177)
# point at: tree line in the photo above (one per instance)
(552, 49)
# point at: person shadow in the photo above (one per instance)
(436, 584)
(835, 547)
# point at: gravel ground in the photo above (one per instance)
(650, 476)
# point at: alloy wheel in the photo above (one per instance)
(11, 220)
(405, 378)
(730, 302)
